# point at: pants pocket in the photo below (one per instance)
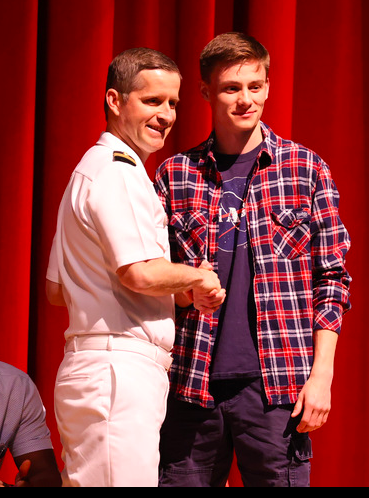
(301, 453)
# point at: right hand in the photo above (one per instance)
(209, 296)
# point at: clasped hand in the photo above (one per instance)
(209, 297)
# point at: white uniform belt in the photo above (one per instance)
(111, 342)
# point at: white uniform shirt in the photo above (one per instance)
(110, 216)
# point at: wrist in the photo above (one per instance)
(322, 372)
(184, 299)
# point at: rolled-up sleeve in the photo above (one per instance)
(329, 245)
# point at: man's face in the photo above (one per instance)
(237, 95)
(148, 115)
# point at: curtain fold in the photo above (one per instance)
(18, 88)
(54, 57)
(17, 129)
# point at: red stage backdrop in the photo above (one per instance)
(54, 57)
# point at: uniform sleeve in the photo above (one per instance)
(32, 433)
(53, 269)
(161, 185)
(121, 207)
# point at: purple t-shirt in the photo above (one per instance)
(23, 427)
(235, 352)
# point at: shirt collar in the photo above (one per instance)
(107, 139)
(265, 156)
(267, 153)
(207, 160)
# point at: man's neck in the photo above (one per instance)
(115, 131)
(241, 143)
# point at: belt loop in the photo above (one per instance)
(157, 353)
(75, 349)
(110, 343)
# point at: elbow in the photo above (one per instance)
(137, 278)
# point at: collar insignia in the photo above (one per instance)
(123, 157)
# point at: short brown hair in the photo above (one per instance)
(232, 48)
(124, 68)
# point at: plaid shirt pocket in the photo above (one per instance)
(291, 232)
(190, 229)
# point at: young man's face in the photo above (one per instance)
(237, 95)
(148, 115)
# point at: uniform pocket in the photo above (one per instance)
(190, 228)
(84, 383)
(291, 232)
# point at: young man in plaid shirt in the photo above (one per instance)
(255, 376)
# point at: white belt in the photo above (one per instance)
(119, 343)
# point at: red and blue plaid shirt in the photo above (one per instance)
(298, 243)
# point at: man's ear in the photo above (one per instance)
(268, 88)
(113, 99)
(204, 89)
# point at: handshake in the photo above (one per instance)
(207, 295)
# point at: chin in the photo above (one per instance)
(154, 148)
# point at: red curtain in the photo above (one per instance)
(54, 57)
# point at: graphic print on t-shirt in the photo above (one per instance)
(232, 216)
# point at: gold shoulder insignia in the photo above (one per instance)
(124, 157)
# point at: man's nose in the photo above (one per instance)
(166, 113)
(244, 98)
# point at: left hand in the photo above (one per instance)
(315, 402)
(208, 303)
(21, 478)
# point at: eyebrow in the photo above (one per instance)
(255, 82)
(258, 82)
(149, 96)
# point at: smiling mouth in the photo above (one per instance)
(243, 113)
(159, 129)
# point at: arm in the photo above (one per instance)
(206, 303)
(54, 293)
(37, 469)
(329, 245)
(159, 277)
(54, 290)
(315, 397)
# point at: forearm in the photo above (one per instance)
(325, 343)
(54, 293)
(159, 277)
(314, 401)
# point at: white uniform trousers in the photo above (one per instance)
(109, 407)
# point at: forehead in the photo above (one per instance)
(157, 80)
(242, 72)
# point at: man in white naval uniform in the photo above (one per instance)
(110, 265)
